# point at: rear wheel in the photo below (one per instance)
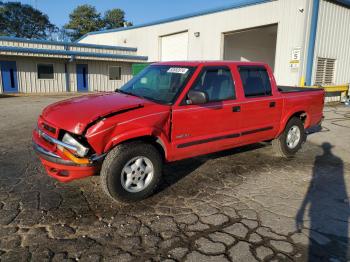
(290, 141)
(131, 171)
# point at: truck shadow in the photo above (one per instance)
(327, 203)
(174, 172)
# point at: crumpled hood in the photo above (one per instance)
(75, 114)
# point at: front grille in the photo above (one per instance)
(49, 128)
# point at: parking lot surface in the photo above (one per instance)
(243, 204)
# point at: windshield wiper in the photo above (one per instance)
(126, 93)
(154, 100)
(122, 92)
(140, 96)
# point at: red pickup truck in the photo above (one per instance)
(171, 111)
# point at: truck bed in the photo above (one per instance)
(294, 89)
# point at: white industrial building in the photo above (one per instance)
(300, 39)
(37, 66)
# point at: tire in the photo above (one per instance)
(117, 166)
(284, 147)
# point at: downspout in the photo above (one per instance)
(306, 34)
(66, 71)
(312, 41)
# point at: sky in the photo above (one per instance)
(137, 11)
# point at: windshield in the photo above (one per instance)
(159, 83)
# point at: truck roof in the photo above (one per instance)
(210, 63)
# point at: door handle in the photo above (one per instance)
(272, 104)
(236, 109)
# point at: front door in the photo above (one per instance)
(213, 126)
(82, 78)
(9, 76)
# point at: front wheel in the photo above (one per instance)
(131, 171)
(290, 141)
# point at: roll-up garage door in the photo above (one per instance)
(174, 47)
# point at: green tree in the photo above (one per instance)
(24, 21)
(115, 18)
(83, 20)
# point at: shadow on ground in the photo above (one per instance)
(173, 172)
(328, 208)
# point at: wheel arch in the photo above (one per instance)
(302, 114)
(156, 141)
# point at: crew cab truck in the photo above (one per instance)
(171, 111)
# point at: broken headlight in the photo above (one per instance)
(81, 150)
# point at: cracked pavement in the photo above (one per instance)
(243, 204)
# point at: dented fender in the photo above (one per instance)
(108, 133)
(159, 137)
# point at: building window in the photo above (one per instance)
(45, 71)
(115, 73)
(255, 80)
(325, 71)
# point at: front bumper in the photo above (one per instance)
(58, 165)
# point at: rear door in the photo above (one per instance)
(82, 78)
(9, 76)
(204, 128)
(261, 106)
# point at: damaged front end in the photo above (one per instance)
(64, 157)
(72, 135)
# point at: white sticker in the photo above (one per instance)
(144, 80)
(177, 70)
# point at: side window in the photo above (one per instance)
(217, 83)
(45, 71)
(115, 73)
(255, 81)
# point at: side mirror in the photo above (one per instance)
(196, 98)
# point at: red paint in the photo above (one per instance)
(65, 173)
(175, 125)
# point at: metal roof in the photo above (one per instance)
(238, 4)
(75, 44)
(70, 53)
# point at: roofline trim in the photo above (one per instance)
(70, 53)
(181, 17)
(75, 44)
(344, 3)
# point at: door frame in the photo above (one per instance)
(86, 77)
(247, 29)
(15, 78)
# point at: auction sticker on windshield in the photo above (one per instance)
(177, 70)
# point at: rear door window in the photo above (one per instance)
(256, 81)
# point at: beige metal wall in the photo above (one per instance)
(98, 75)
(333, 38)
(27, 76)
(290, 15)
